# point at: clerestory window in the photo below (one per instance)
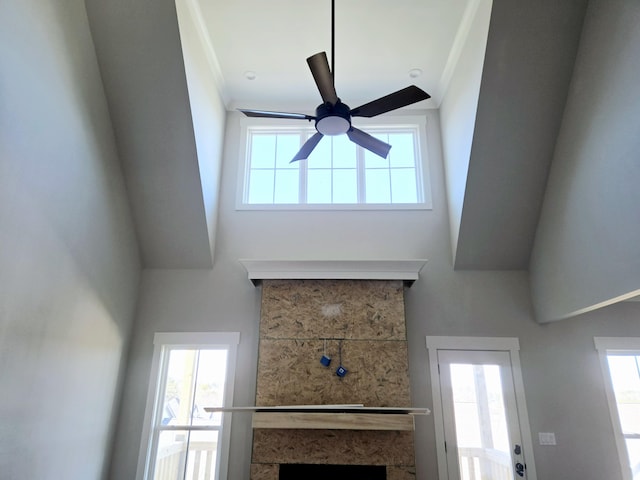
(338, 174)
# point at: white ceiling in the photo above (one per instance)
(377, 43)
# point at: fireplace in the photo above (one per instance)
(296, 471)
(358, 324)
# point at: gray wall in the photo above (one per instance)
(141, 62)
(564, 388)
(207, 110)
(528, 63)
(458, 115)
(586, 248)
(69, 264)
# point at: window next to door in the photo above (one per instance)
(620, 362)
(181, 437)
(479, 409)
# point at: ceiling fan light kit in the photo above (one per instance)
(334, 117)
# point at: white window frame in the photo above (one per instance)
(616, 345)
(161, 342)
(505, 344)
(413, 122)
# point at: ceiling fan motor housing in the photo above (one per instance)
(333, 119)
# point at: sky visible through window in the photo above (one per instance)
(625, 377)
(337, 171)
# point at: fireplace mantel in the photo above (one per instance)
(335, 417)
(405, 270)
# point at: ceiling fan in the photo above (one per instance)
(334, 117)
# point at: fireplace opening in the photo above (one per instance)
(297, 471)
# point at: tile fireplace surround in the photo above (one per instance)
(363, 322)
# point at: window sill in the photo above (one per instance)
(334, 206)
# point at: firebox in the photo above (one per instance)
(297, 471)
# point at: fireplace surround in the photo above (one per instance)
(360, 325)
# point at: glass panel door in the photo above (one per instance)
(480, 416)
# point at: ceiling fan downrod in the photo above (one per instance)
(333, 42)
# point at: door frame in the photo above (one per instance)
(510, 345)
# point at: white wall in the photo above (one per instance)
(458, 113)
(69, 264)
(565, 393)
(586, 248)
(207, 108)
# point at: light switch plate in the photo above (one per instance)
(547, 438)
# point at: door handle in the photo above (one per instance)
(520, 469)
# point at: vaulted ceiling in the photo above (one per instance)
(529, 58)
(526, 76)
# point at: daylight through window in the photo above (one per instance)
(620, 359)
(625, 378)
(184, 439)
(337, 173)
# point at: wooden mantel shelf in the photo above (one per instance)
(331, 417)
(333, 421)
(405, 270)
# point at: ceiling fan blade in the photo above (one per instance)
(369, 142)
(267, 114)
(393, 101)
(321, 72)
(307, 148)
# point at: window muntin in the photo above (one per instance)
(181, 439)
(338, 174)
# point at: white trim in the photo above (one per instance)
(508, 344)
(616, 345)
(161, 340)
(473, 343)
(202, 31)
(150, 413)
(407, 270)
(456, 49)
(280, 207)
(196, 338)
(223, 463)
(438, 414)
(523, 414)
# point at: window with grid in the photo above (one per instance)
(620, 359)
(338, 173)
(184, 439)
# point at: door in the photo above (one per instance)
(480, 415)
